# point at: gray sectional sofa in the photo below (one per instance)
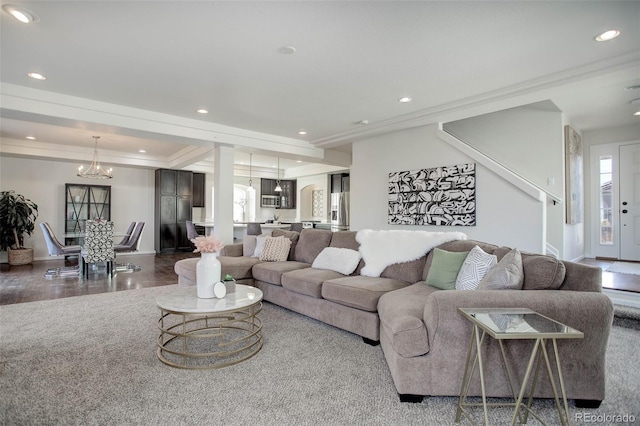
(422, 334)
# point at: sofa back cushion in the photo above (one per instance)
(347, 239)
(293, 236)
(311, 243)
(458, 246)
(541, 272)
(249, 245)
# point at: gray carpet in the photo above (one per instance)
(91, 360)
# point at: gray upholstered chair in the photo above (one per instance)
(125, 239)
(191, 230)
(133, 242)
(54, 246)
(254, 228)
(296, 226)
(98, 245)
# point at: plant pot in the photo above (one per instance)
(22, 256)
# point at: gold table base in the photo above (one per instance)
(206, 341)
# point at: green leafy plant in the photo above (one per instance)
(17, 217)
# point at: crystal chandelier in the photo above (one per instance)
(95, 171)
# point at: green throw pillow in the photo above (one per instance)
(444, 268)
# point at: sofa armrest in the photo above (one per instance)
(232, 250)
(589, 312)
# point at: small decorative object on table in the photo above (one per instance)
(208, 268)
(230, 283)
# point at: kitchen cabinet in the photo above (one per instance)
(84, 202)
(198, 189)
(287, 195)
(174, 200)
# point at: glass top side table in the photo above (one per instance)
(509, 324)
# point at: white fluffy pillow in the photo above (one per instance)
(474, 268)
(341, 260)
(276, 249)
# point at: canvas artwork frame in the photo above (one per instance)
(440, 196)
(574, 194)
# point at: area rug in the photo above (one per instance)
(624, 268)
(90, 360)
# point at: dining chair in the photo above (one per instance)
(191, 230)
(254, 228)
(133, 242)
(53, 244)
(296, 226)
(129, 233)
(98, 245)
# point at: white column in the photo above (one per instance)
(223, 194)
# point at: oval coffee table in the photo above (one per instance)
(209, 333)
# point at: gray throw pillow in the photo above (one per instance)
(508, 274)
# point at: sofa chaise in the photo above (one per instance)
(422, 334)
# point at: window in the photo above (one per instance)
(244, 204)
(606, 200)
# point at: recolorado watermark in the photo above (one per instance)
(604, 418)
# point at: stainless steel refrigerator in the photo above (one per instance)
(340, 211)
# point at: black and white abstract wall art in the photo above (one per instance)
(443, 196)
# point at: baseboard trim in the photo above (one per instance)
(624, 298)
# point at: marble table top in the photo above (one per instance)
(185, 300)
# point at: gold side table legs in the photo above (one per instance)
(521, 410)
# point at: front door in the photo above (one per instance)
(629, 202)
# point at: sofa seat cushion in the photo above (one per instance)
(359, 292)
(308, 281)
(238, 266)
(271, 272)
(401, 315)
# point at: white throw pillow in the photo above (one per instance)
(260, 240)
(474, 268)
(341, 260)
(276, 249)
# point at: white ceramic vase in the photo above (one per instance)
(208, 271)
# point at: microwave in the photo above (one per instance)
(270, 201)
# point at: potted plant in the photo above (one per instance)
(17, 217)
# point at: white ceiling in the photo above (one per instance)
(113, 67)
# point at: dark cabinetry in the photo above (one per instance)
(198, 189)
(340, 182)
(84, 202)
(286, 197)
(174, 200)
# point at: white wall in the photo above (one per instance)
(132, 196)
(505, 216)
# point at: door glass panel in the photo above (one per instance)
(606, 200)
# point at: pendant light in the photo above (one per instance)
(95, 171)
(278, 188)
(251, 188)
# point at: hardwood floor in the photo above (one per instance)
(27, 283)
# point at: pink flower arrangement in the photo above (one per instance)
(208, 244)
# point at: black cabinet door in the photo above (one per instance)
(168, 181)
(184, 184)
(198, 189)
(174, 195)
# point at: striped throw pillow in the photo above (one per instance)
(474, 268)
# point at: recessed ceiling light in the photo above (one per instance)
(302, 132)
(405, 99)
(607, 35)
(636, 113)
(202, 111)
(287, 50)
(142, 151)
(23, 15)
(363, 122)
(634, 101)
(32, 138)
(634, 87)
(37, 76)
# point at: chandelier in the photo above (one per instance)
(95, 171)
